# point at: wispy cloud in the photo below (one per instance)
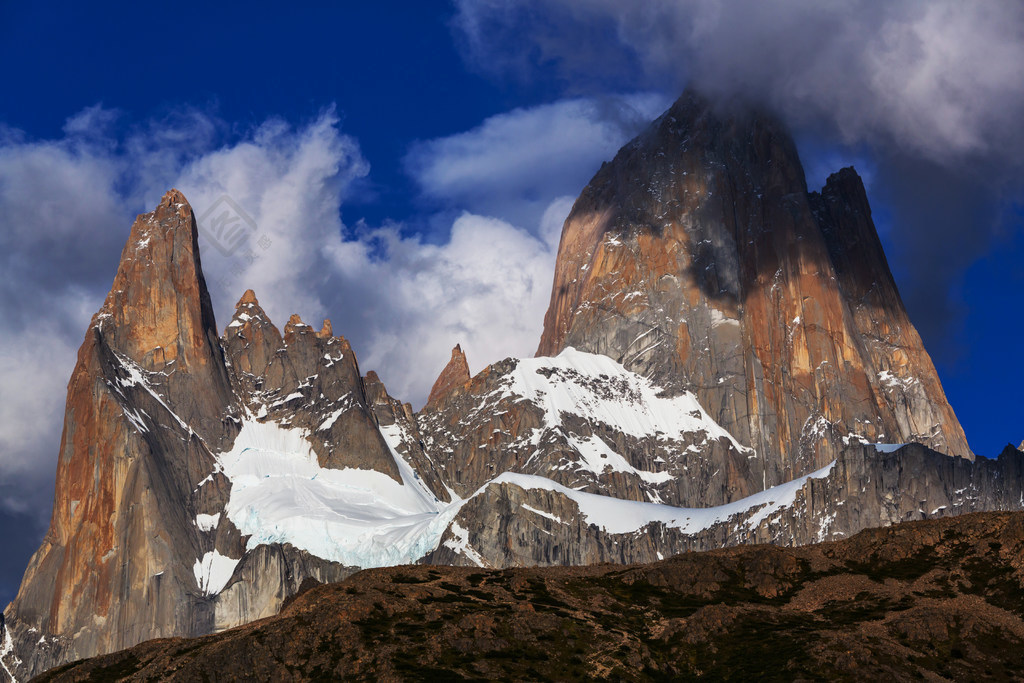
(513, 164)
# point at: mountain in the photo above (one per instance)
(698, 258)
(933, 600)
(725, 361)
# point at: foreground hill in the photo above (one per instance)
(933, 599)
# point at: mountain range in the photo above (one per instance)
(726, 360)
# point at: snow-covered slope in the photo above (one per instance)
(363, 518)
(280, 494)
(600, 391)
(587, 422)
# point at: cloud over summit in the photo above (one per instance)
(940, 78)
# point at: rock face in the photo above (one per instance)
(586, 422)
(526, 521)
(455, 374)
(148, 399)
(137, 534)
(698, 259)
(724, 362)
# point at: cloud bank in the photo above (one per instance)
(941, 78)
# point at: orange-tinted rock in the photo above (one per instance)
(148, 399)
(308, 380)
(697, 258)
(455, 374)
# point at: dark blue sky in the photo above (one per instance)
(399, 73)
(392, 69)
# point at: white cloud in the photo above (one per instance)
(941, 78)
(487, 288)
(513, 164)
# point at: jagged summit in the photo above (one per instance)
(249, 297)
(698, 259)
(455, 374)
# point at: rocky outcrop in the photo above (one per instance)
(526, 521)
(455, 374)
(698, 259)
(308, 380)
(935, 600)
(265, 578)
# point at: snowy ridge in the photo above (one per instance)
(6, 650)
(363, 518)
(618, 516)
(601, 391)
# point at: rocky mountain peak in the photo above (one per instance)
(158, 315)
(249, 297)
(158, 310)
(296, 329)
(455, 374)
(697, 258)
(725, 360)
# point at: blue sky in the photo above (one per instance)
(411, 164)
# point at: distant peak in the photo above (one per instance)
(844, 176)
(295, 320)
(173, 196)
(247, 310)
(455, 374)
(248, 298)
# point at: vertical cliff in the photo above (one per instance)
(148, 399)
(698, 259)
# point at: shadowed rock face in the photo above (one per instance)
(697, 258)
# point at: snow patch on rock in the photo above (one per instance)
(601, 391)
(617, 516)
(362, 518)
(213, 571)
